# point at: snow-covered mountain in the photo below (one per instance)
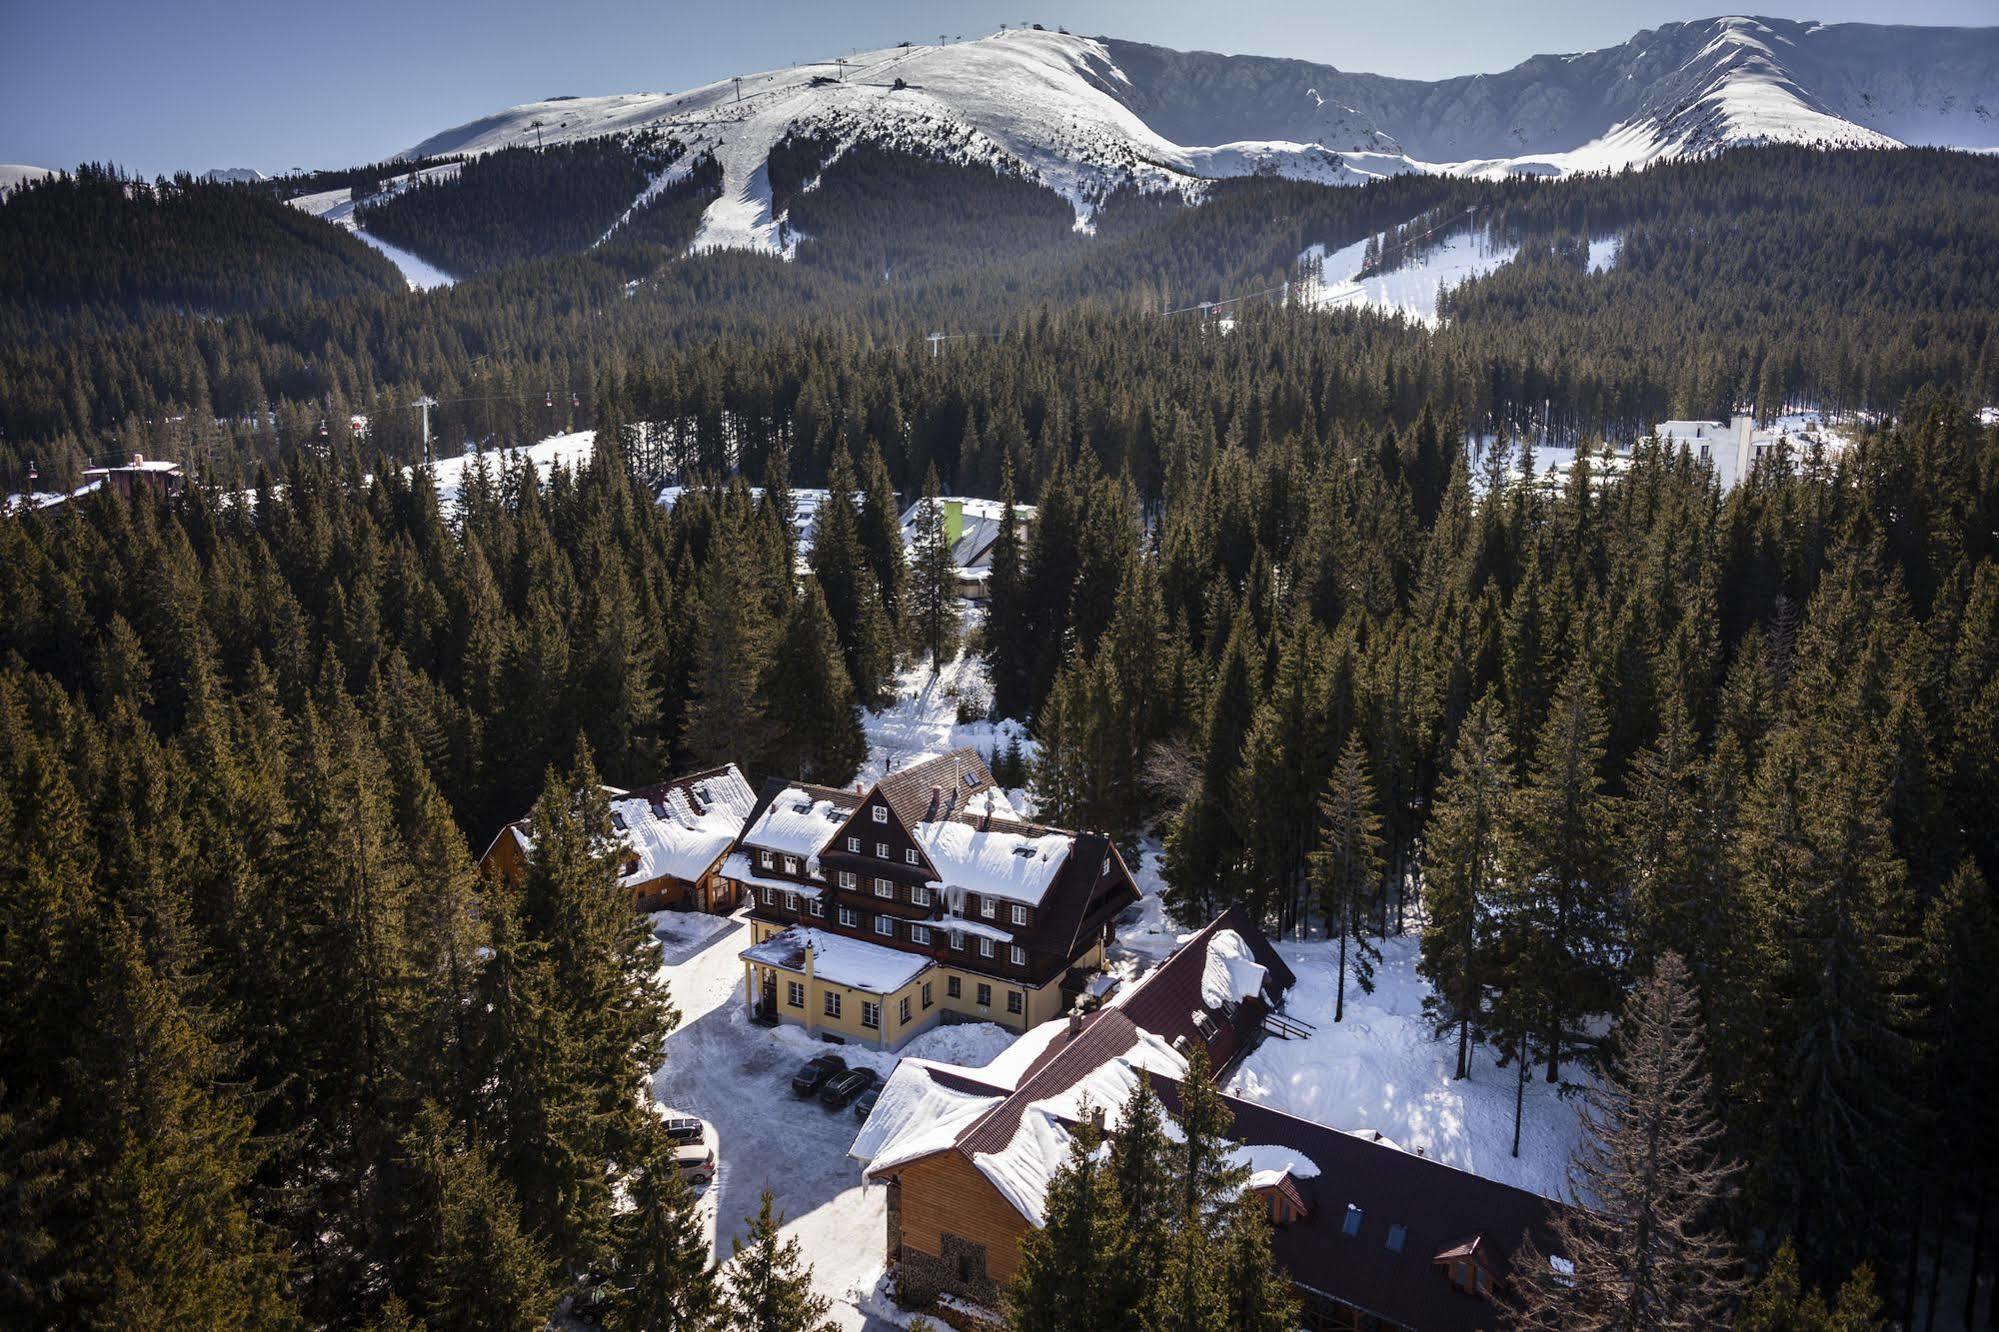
(1086, 115)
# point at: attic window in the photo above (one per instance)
(1206, 1025)
(617, 821)
(1351, 1226)
(1396, 1235)
(1024, 851)
(802, 807)
(971, 779)
(881, 813)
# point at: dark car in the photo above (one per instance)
(846, 1087)
(817, 1073)
(866, 1105)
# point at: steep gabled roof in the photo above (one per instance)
(956, 777)
(1167, 1000)
(761, 817)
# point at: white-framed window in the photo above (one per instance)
(1013, 1001)
(1019, 914)
(954, 987)
(881, 851)
(902, 1011)
(885, 926)
(910, 857)
(885, 888)
(854, 845)
(919, 934)
(988, 908)
(847, 879)
(765, 859)
(794, 994)
(919, 896)
(985, 947)
(881, 813)
(791, 901)
(1017, 955)
(819, 907)
(832, 1004)
(849, 917)
(770, 897)
(957, 941)
(985, 996)
(927, 1001)
(791, 864)
(871, 1015)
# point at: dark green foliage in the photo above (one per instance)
(99, 249)
(768, 1290)
(517, 204)
(662, 1281)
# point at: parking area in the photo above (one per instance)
(738, 1077)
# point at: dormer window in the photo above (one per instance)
(1019, 915)
(765, 859)
(987, 907)
(791, 864)
(880, 813)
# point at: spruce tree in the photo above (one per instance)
(766, 1288)
(661, 1279)
(728, 719)
(881, 535)
(1204, 1182)
(1080, 1269)
(466, 1261)
(1256, 1295)
(1781, 1302)
(1644, 1244)
(1346, 869)
(1007, 646)
(1461, 875)
(812, 699)
(931, 612)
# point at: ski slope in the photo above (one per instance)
(338, 207)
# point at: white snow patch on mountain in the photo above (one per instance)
(18, 173)
(1412, 289)
(339, 207)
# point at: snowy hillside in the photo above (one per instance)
(14, 173)
(1084, 115)
(337, 207)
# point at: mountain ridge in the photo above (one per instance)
(1085, 116)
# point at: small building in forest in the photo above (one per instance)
(675, 835)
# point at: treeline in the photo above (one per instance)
(513, 205)
(95, 250)
(275, 1054)
(1365, 688)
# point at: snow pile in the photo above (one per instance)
(838, 960)
(1231, 973)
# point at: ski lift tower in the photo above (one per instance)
(426, 402)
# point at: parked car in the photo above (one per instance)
(866, 1105)
(817, 1072)
(694, 1145)
(844, 1088)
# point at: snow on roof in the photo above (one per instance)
(839, 960)
(1021, 1170)
(796, 822)
(1232, 973)
(738, 867)
(1012, 1063)
(916, 1115)
(1267, 1164)
(994, 862)
(671, 836)
(977, 531)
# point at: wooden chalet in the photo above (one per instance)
(1372, 1237)
(876, 914)
(675, 834)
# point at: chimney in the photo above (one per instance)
(1075, 1022)
(936, 799)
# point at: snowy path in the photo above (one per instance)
(922, 720)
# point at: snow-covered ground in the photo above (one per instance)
(338, 207)
(16, 173)
(1381, 1069)
(922, 720)
(1414, 288)
(571, 451)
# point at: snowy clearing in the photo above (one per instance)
(339, 207)
(1412, 290)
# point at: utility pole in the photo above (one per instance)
(739, 87)
(934, 340)
(426, 402)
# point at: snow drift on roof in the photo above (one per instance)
(670, 836)
(1015, 866)
(1267, 1164)
(915, 1116)
(1232, 973)
(796, 822)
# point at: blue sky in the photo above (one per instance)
(162, 85)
